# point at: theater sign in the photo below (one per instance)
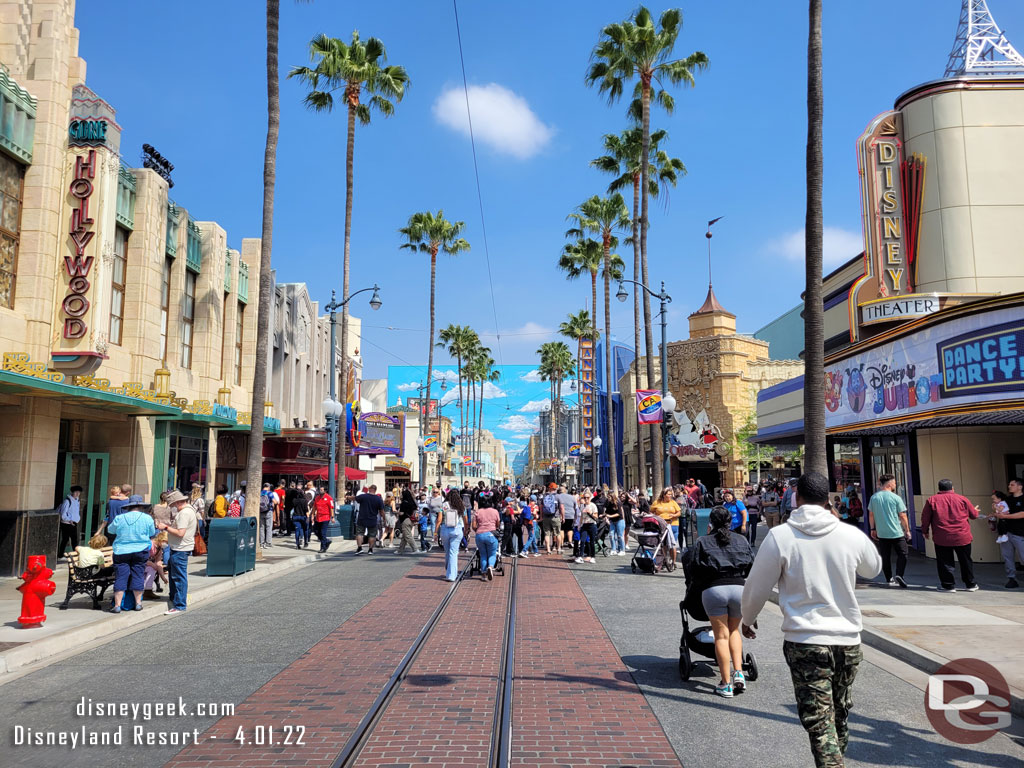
(964, 364)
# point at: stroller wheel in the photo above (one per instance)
(750, 666)
(632, 566)
(685, 664)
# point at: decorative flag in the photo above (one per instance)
(648, 406)
(430, 444)
(575, 449)
(467, 461)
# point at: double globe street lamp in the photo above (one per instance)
(668, 403)
(333, 409)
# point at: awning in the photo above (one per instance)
(321, 473)
(399, 469)
(31, 386)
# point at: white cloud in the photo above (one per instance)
(536, 406)
(501, 119)
(533, 376)
(491, 391)
(408, 386)
(840, 245)
(450, 397)
(517, 423)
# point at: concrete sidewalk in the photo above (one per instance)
(80, 624)
(927, 628)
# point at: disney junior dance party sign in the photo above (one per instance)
(974, 359)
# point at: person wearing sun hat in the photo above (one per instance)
(181, 537)
(134, 530)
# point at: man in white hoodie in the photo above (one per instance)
(815, 560)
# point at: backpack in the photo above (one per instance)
(235, 507)
(451, 516)
(265, 505)
(211, 508)
(550, 504)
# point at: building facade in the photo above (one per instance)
(924, 331)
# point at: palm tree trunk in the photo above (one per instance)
(254, 461)
(658, 470)
(613, 474)
(430, 358)
(640, 468)
(350, 154)
(814, 333)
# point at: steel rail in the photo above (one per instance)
(501, 733)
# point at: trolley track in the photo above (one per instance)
(499, 750)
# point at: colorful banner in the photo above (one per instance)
(467, 461)
(430, 443)
(575, 449)
(418, 404)
(378, 433)
(648, 406)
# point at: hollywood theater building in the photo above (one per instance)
(924, 367)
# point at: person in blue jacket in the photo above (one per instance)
(737, 509)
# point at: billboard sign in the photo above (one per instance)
(379, 433)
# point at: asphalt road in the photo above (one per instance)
(888, 724)
(219, 652)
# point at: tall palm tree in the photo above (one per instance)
(545, 370)
(427, 232)
(459, 341)
(578, 327)
(814, 328)
(623, 161)
(555, 366)
(637, 48)
(356, 68)
(486, 374)
(604, 216)
(586, 256)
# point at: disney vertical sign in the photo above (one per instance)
(75, 305)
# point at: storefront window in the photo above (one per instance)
(238, 343)
(188, 451)
(117, 281)
(10, 227)
(846, 464)
(165, 308)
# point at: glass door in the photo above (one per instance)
(889, 457)
(88, 470)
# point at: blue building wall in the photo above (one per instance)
(785, 335)
(622, 358)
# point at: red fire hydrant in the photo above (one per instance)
(37, 586)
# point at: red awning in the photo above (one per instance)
(321, 474)
(400, 469)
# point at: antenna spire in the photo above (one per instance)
(708, 236)
(980, 47)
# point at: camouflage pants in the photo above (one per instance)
(823, 680)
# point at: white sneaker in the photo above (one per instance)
(1002, 539)
(579, 560)
(591, 560)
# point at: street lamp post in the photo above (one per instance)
(333, 409)
(596, 442)
(667, 401)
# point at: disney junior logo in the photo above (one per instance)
(967, 701)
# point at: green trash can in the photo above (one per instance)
(231, 548)
(346, 517)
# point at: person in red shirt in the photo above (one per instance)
(323, 511)
(947, 515)
(279, 510)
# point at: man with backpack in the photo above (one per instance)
(571, 507)
(300, 520)
(266, 516)
(551, 520)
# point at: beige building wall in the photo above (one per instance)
(974, 459)
(972, 224)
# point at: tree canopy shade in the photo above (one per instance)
(353, 68)
(427, 232)
(639, 49)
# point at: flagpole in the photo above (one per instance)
(708, 236)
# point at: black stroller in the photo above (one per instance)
(700, 640)
(652, 545)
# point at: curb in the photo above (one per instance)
(919, 658)
(104, 625)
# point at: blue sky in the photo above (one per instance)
(190, 81)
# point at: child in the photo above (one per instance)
(155, 571)
(998, 505)
(424, 524)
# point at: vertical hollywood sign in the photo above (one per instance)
(587, 392)
(890, 216)
(75, 304)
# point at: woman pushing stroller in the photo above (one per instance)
(721, 562)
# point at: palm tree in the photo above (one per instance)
(586, 256)
(556, 363)
(603, 216)
(578, 327)
(459, 341)
(485, 373)
(430, 233)
(623, 161)
(814, 329)
(638, 48)
(353, 68)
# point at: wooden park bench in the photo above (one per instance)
(84, 581)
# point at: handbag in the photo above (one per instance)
(200, 546)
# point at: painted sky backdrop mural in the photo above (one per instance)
(511, 403)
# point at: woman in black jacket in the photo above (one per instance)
(406, 511)
(721, 562)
